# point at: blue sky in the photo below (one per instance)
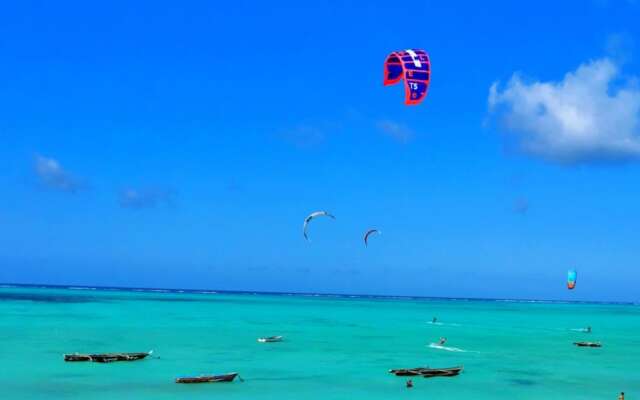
(181, 145)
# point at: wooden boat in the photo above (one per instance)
(77, 357)
(270, 339)
(208, 378)
(408, 371)
(587, 344)
(107, 357)
(427, 372)
(430, 373)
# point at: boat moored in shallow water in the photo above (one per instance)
(427, 372)
(107, 357)
(208, 378)
(431, 372)
(588, 344)
(270, 339)
(77, 357)
(408, 371)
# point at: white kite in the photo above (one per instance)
(312, 216)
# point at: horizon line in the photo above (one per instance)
(302, 294)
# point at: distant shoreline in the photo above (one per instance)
(305, 294)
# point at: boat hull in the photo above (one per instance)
(271, 339)
(208, 378)
(106, 357)
(587, 344)
(427, 372)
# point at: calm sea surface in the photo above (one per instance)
(335, 348)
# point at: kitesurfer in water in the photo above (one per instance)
(442, 341)
(588, 330)
(434, 320)
(621, 397)
(410, 384)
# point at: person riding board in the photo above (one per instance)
(621, 397)
(442, 341)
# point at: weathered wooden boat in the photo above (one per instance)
(77, 357)
(427, 372)
(587, 344)
(407, 371)
(208, 378)
(432, 372)
(270, 339)
(107, 357)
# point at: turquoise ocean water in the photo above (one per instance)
(335, 348)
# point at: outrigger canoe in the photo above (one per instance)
(107, 357)
(270, 339)
(208, 378)
(407, 371)
(587, 344)
(427, 372)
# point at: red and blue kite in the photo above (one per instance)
(413, 65)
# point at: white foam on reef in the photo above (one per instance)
(583, 330)
(442, 323)
(441, 347)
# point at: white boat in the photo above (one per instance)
(270, 339)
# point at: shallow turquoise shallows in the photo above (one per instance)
(334, 348)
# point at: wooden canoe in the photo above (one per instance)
(77, 357)
(208, 378)
(407, 371)
(587, 344)
(270, 339)
(106, 357)
(427, 372)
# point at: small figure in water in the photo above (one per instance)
(410, 384)
(588, 330)
(442, 341)
(621, 397)
(434, 320)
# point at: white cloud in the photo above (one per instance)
(52, 175)
(145, 198)
(395, 130)
(588, 116)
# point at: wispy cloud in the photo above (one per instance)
(619, 47)
(51, 175)
(521, 206)
(145, 198)
(588, 116)
(304, 136)
(234, 186)
(395, 130)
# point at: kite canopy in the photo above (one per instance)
(310, 217)
(572, 277)
(414, 66)
(369, 233)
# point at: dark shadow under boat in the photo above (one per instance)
(208, 378)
